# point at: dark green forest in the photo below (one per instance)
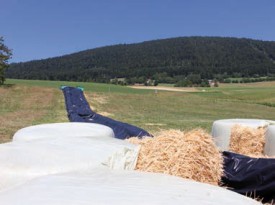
(166, 61)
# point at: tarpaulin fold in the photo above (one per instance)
(253, 177)
(78, 110)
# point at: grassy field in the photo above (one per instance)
(28, 102)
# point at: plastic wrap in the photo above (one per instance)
(104, 186)
(22, 161)
(253, 177)
(62, 130)
(221, 129)
(270, 141)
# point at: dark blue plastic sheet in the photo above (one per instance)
(254, 177)
(78, 110)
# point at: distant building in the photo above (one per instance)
(213, 83)
(120, 81)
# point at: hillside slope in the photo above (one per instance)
(207, 56)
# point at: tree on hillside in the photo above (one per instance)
(167, 61)
(5, 55)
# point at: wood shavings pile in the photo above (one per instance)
(247, 141)
(191, 155)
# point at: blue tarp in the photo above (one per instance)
(78, 110)
(253, 177)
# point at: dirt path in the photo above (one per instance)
(177, 89)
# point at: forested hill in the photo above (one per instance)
(169, 58)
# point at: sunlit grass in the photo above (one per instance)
(88, 86)
(34, 102)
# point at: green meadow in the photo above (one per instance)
(29, 102)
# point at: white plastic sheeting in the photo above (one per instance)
(221, 129)
(21, 161)
(270, 141)
(104, 186)
(60, 130)
(60, 164)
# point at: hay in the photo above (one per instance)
(247, 141)
(191, 155)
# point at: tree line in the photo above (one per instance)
(175, 60)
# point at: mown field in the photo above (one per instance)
(29, 102)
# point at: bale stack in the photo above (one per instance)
(191, 155)
(247, 141)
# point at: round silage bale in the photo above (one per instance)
(62, 130)
(104, 186)
(24, 161)
(221, 129)
(247, 141)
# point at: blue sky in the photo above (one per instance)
(47, 28)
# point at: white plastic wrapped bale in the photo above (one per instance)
(221, 129)
(21, 161)
(270, 141)
(104, 186)
(61, 130)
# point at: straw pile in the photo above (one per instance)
(247, 141)
(191, 155)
